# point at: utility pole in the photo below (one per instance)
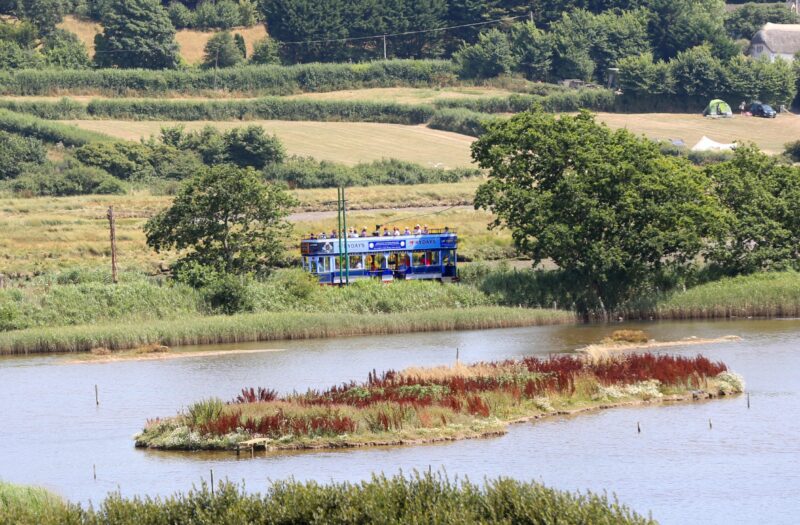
(384, 48)
(531, 13)
(113, 230)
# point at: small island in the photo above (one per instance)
(424, 405)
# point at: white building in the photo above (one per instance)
(776, 40)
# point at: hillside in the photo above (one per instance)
(191, 41)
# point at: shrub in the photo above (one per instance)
(205, 411)
(265, 51)
(461, 121)
(180, 15)
(792, 150)
(77, 180)
(489, 57)
(16, 152)
(221, 51)
(228, 294)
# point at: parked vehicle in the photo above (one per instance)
(757, 109)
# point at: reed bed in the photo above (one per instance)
(267, 326)
(419, 405)
(767, 295)
(416, 498)
(23, 504)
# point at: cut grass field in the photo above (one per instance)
(769, 134)
(345, 142)
(48, 234)
(191, 42)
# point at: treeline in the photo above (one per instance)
(696, 75)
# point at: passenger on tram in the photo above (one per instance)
(417, 230)
(425, 230)
(363, 232)
(396, 231)
(322, 235)
(407, 231)
(311, 236)
(333, 234)
(385, 231)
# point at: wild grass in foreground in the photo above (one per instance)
(268, 326)
(419, 498)
(431, 404)
(20, 504)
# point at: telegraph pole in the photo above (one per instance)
(113, 233)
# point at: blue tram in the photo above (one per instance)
(429, 255)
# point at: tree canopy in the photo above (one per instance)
(226, 219)
(137, 33)
(606, 206)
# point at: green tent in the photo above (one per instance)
(718, 108)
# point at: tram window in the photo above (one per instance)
(434, 258)
(324, 265)
(393, 260)
(403, 260)
(448, 258)
(423, 258)
(372, 262)
(356, 262)
(336, 264)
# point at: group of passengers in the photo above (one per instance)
(395, 232)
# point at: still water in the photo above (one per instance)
(744, 469)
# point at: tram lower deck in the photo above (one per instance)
(430, 256)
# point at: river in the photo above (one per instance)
(743, 468)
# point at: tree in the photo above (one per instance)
(698, 73)
(533, 50)
(17, 152)
(573, 37)
(746, 20)
(221, 51)
(65, 50)
(43, 14)
(489, 57)
(606, 206)
(251, 146)
(265, 51)
(677, 25)
(763, 198)
(238, 39)
(180, 15)
(225, 219)
(228, 15)
(137, 33)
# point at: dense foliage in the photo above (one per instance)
(607, 207)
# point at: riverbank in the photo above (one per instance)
(268, 326)
(424, 405)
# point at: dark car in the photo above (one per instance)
(757, 109)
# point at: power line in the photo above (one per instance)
(404, 33)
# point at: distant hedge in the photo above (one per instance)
(555, 101)
(260, 80)
(462, 121)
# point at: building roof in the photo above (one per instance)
(779, 38)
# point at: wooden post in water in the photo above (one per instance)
(638, 428)
(710, 426)
(94, 472)
(96, 396)
(113, 230)
(748, 400)
(212, 481)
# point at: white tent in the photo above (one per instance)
(706, 144)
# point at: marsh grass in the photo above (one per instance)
(27, 504)
(415, 498)
(267, 326)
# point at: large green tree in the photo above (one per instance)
(606, 206)
(136, 34)
(221, 51)
(227, 219)
(763, 197)
(43, 14)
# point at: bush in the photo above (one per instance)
(228, 294)
(221, 51)
(77, 180)
(265, 51)
(300, 172)
(16, 152)
(461, 121)
(489, 57)
(180, 15)
(792, 150)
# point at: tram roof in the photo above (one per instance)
(377, 244)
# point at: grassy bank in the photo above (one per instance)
(267, 327)
(775, 294)
(421, 405)
(401, 499)
(22, 504)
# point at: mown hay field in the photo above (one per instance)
(345, 142)
(769, 134)
(191, 42)
(50, 234)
